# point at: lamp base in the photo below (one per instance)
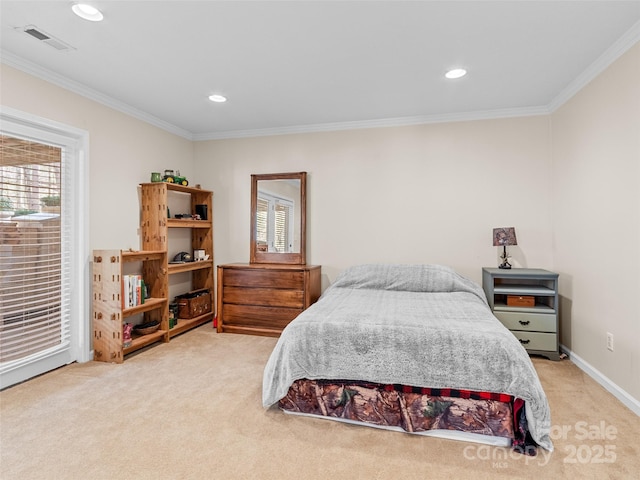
(505, 259)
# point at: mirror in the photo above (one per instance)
(278, 218)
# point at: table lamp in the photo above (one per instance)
(501, 238)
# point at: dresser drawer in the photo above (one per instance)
(537, 341)
(259, 317)
(264, 278)
(530, 322)
(269, 297)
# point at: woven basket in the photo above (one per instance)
(147, 330)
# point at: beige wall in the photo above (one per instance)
(421, 194)
(596, 159)
(123, 152)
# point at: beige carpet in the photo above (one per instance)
(191, 409)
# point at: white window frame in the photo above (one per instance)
(76, 212)
(272, 201)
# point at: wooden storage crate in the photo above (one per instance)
(194, 303)
(521, 300)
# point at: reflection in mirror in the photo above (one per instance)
(278, 218)
(277, 209)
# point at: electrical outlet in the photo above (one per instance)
(610, 341)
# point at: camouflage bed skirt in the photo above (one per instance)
(412, 409)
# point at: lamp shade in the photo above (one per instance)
(504, 236)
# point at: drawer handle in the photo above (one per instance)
(524, 342)
(524, 322)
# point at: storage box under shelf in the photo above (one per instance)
(521, 301)
(194, 303)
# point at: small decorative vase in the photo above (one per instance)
(156, 177)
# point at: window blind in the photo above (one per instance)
(33, 309)
(262, 219)
(281, 240)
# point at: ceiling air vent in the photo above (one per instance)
(50, 40)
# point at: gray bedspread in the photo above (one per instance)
(419, 325)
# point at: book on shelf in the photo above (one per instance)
(133, 291)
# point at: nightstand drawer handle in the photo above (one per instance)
(524, 322)
(524, 342)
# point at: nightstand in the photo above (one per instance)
(525, 300)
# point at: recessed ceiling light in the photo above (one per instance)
(88, 12)
(456, 73)
(218, 98)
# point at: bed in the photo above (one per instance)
(412, 348)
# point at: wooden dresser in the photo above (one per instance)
(261, 299)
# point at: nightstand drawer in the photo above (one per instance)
(537, 341)
(531, 322)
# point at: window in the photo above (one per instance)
(30, 253)
(43, 254)
(274, 225)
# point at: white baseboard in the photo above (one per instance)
(630, 402)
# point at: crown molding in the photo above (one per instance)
(615, 51)
(45, 74)
(379, 123)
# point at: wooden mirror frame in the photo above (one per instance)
(298, 258)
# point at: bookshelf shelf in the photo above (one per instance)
(156, 235)
(108, 301)
(153, 267)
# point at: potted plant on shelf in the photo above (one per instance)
(51, 204)
(6, 208)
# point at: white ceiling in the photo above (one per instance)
(318, 65)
